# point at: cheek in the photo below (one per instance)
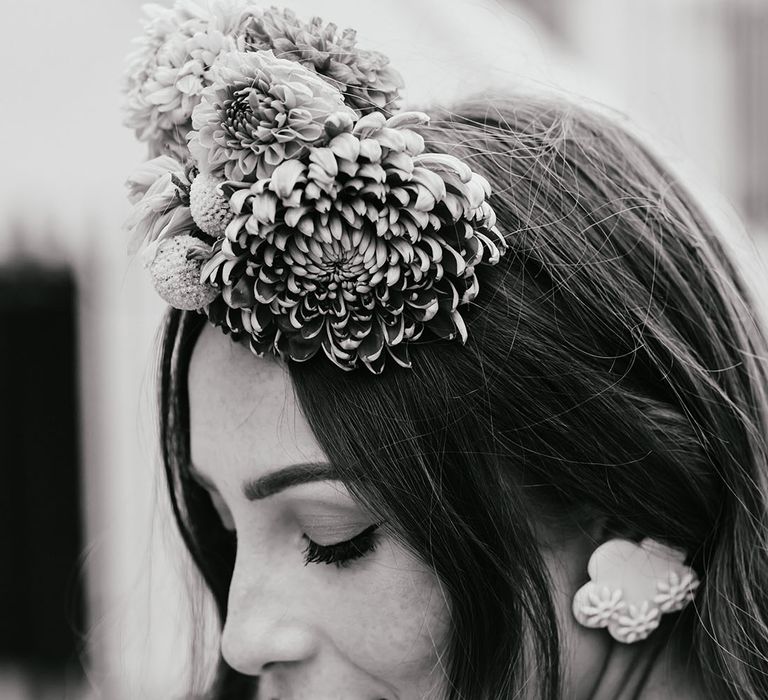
(395, 624)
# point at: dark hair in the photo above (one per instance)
(614, 370)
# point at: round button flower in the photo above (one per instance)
(175, 271)
(260, 111)
(209, 207)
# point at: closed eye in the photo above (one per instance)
(341, 553)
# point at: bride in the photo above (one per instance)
(487, 417)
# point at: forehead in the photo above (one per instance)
(243, 417)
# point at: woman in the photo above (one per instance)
(547, 483)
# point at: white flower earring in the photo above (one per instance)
(631, 586)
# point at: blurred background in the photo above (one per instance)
(93, 585)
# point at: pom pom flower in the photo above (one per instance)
(365, 77)
(171, 66)
(260, 111)
(287, 206)
(354, 248)
(173, 62)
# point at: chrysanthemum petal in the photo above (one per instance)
(286, 176)
(345, 146)
(302, 349)
(461, 327)
(453, 263)
(406, 119)
(400, 354)
(444, 162)
(442, 326)
(368, 125)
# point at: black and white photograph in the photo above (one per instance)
(396, 350)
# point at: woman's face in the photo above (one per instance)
(323, 602)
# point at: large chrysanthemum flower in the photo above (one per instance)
(357, 246)
(365, 77)
(159, 192)
(260, 111)
(171, 66)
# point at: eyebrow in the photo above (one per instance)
(277, 481)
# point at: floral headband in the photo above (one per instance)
(286, 198)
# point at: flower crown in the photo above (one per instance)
(286, 197)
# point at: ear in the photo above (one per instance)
(608, 528)
(591, 530)
(599, 530)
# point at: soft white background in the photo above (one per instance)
(688, 71)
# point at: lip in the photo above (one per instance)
(275, 697)
(269, 694)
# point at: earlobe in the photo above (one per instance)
(631, 586)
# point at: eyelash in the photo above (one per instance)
(341, 554)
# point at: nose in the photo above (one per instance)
(252, 650)
(262, 627)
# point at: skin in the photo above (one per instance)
(376, 628)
